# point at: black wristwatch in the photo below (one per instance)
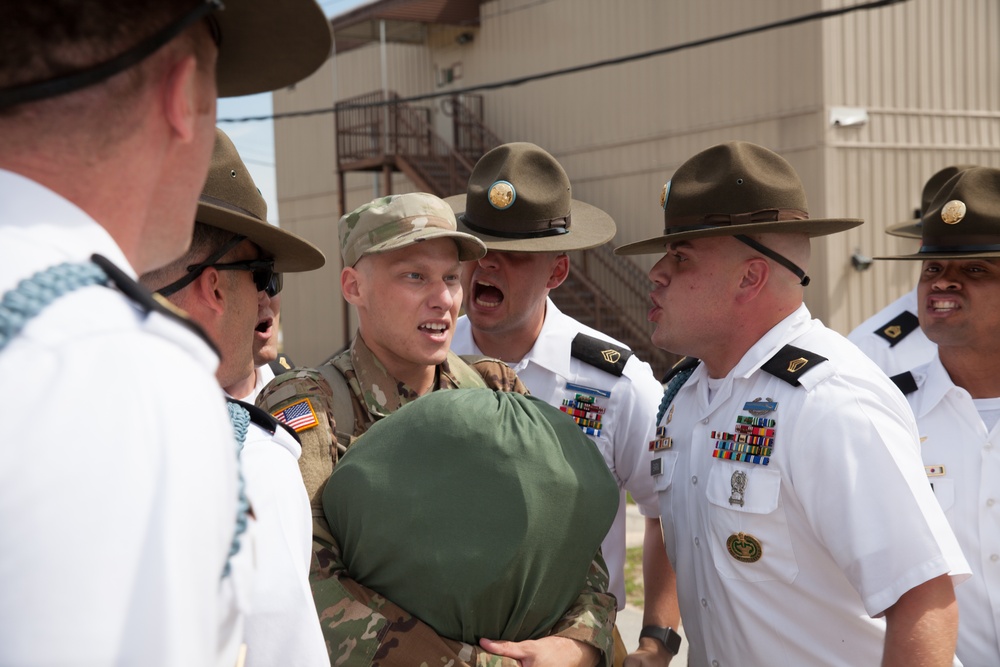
(666, 636)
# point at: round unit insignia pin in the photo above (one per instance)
(664, 193)
(953, 212)
(502, 195)
(744, 548)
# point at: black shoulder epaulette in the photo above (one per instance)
(898, 327)
(905, 381)
(790, 362)
(600, 354)
(262, 419)
(281, 365)
(150, 302)
(682, 364)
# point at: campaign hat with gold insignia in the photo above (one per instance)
(519, 199)
(910, 229)
(963, 219)
(734, 189)
(232, 202)
(263, 45)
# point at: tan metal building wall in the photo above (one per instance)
(925, 71)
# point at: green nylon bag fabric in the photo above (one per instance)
(475, 510)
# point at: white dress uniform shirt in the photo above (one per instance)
(962, 462)
(118, 471)
(910, 351)
(628, 423)
(282, 627)
(842, 516)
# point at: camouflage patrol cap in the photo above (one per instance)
(397, 221)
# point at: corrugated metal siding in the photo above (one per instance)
(926, 71)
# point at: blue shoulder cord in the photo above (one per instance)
(240, 418)
(35, 292)
(673, 387)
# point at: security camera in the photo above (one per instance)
(860, 262)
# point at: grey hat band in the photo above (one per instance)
(215, 201)
(715, 220)
(523, 230)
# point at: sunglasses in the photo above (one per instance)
(262, 271)
(264, 277)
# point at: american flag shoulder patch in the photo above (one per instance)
(299, 415)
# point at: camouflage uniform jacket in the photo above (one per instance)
(360, 626)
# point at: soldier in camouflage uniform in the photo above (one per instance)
(397, 356)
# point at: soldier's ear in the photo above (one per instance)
(559, 271)
(350, 285)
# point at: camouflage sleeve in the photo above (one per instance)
(499, 375)
(303, 399)
(363, 628)
(591, 618)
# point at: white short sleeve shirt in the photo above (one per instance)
(788, 563)
(962, 462)
(118, 470)
(893, 350)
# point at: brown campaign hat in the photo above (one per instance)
(734, 189)
(963, 219)
(910, 229)
(519, 199)
(269, 44)
(263, 45)
(232, 202)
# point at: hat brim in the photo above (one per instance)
(291, 254)
(908, 230)
(812, 228)
(589, 227)
(267, 45)
(993, 254)
(469, 247)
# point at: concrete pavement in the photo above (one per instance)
(630, 618)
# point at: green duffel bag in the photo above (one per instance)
(477, 511)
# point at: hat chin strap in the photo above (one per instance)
(780, 259)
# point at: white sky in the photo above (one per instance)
(255, 140)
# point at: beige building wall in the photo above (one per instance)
(924, 71)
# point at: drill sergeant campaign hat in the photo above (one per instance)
(263, 45)
(230, 201)
(910, 229)
(519, 199)
(963, 219)
(735, 189)
(397, 221)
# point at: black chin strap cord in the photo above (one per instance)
(780, 259)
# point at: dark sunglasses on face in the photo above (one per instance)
(264, 277)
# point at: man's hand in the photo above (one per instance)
(545, 652)
(650, 653)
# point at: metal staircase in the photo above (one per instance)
(377, 133)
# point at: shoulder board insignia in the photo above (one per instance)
(898, 327)
(601, 354)
(149, 302)
(262, 419)
(905, 381)
(281, 365)
(790, 362)
(682, 364)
